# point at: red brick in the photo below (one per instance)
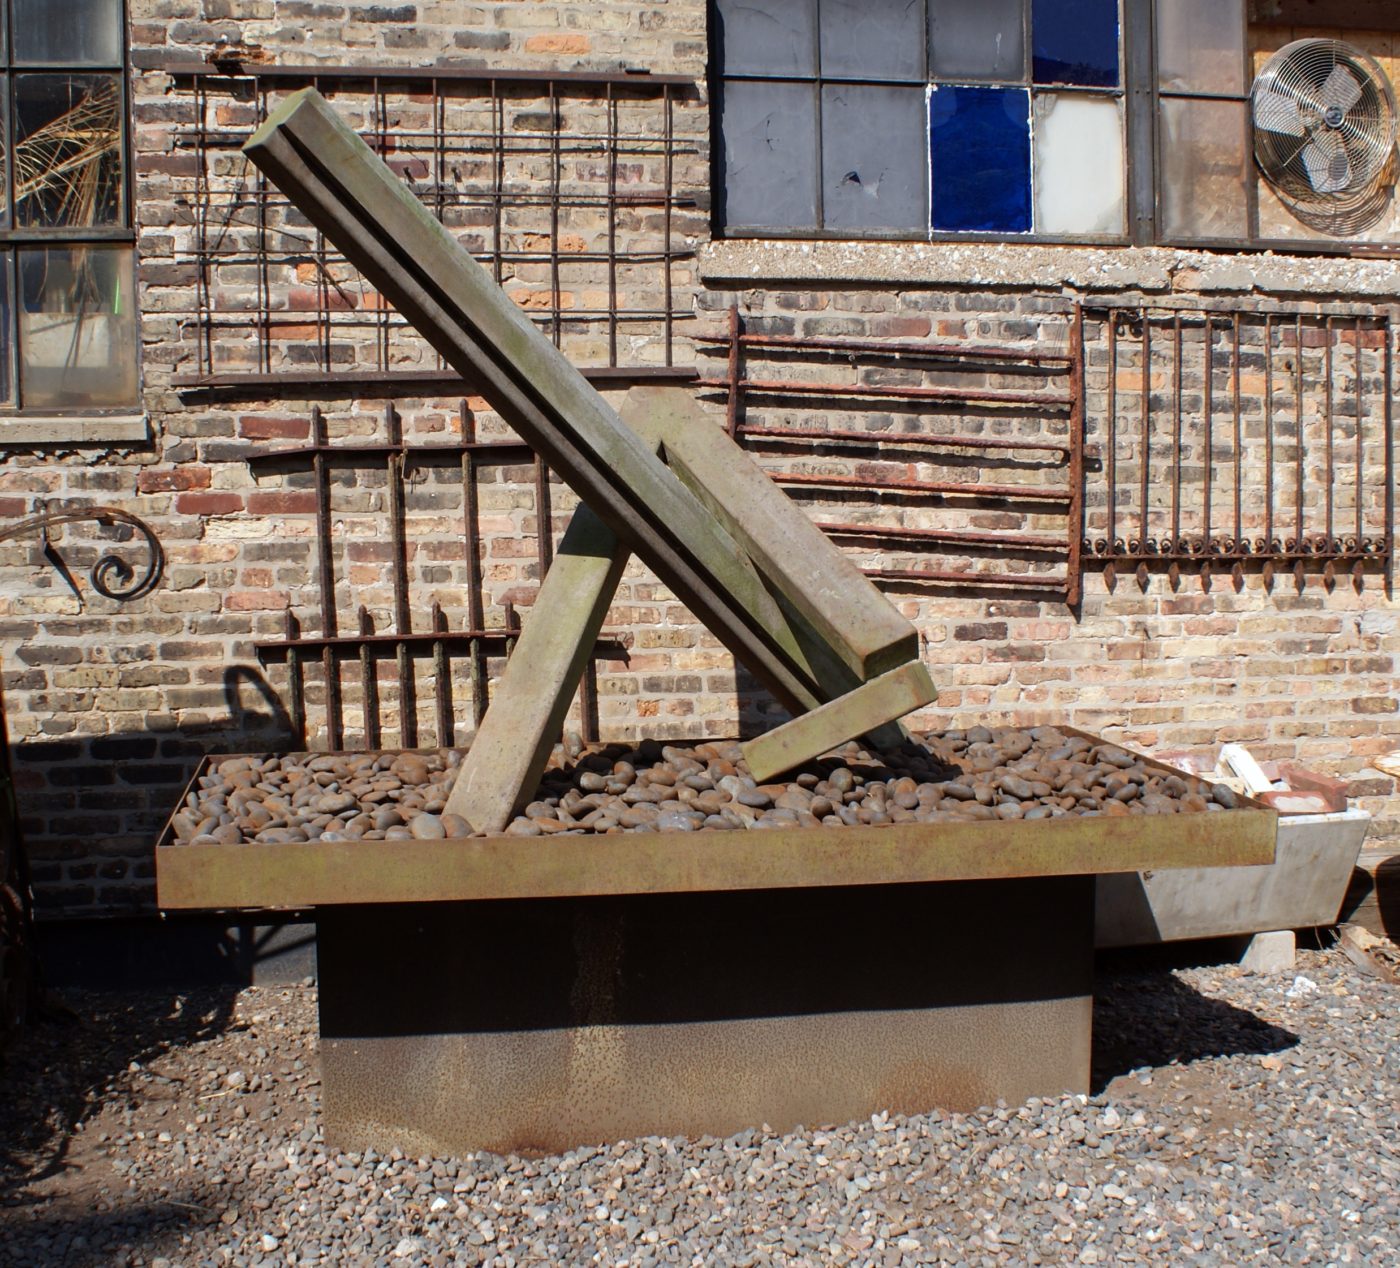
(302, 502)
(208, 503)
(12, 506)
(173, 479)
(268, 427)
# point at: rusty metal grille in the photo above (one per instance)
(568, 187)
(957, 465)
(1229, 438)
(404, 642)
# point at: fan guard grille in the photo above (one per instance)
(1324, 124)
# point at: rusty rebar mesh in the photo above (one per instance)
(1221, 438)
(950, 463)
(542, 181)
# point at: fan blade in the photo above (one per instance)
(1276, 112)
(1341, 89)
(1329, 169)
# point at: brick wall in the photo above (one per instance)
(109, 705)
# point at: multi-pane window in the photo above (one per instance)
(943, 116)
(1057, 120)
(68, 327)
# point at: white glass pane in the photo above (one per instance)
(1205, 166)
(77, 327)
(981, 40)
(1078, 164)
(767, 37)
(874, 174)
(873, 39)
(769, 135)
(68, 32)
(1200, 46)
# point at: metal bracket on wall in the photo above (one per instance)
(109, 574)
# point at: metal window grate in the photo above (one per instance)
(1229, 438)
(567, 186)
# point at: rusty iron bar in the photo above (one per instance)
(502, 451)
(969, 580)
(369, 686)
(411, 382)
(734, 382)
(1010, 492)
(1111, 445)
(110, 575)
(1239, 435)
(1298, 419)
(1328, 374)
(394, 473)
(385, 646)
(1269, 431)
(1360, 429)
(882, 532)
(1074, 530)
(471, 545)
(228, 68)
(973, 396)
(612, 226)
(326, 576)
(1177, 379)
(1388, 415)
(544, 531)
(442, 680)
(920, 439)
(668, 162)
(296, 685)
(1145, 458)
(1055, 362)
(1208, 423)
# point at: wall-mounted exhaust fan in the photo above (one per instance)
(1324, 133)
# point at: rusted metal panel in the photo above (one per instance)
(326, 873)
(559, 1023)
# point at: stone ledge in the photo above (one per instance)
(748, 262)
(69, 429)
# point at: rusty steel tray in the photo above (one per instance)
(317, 873)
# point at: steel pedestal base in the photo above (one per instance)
(536, 1025)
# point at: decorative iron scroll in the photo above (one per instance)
(111, 575)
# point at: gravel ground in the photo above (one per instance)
(1237, 1118)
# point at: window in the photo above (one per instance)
(870, 117)
(68, 321)
(1057, 120)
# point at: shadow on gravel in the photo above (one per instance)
(76, 1240)
(1155, 1019)
(59, 1070)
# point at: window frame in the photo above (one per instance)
(92, 422)
(1141, 95)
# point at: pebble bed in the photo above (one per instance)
(950, 776)
(1239, 1119)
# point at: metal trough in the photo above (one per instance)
(530, 994)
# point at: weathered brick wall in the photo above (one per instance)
(110, 705)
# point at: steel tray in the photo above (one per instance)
(316, 873)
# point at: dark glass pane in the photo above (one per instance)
(1200, 46)
(77, 327)
(1206, 165)
(770, 155)
(1075, 42)
(984, 40)
(68, 151)
(7, 345)
(873, 39)
(874, 174)
(981, 159)
(767, 37)
(68, 32)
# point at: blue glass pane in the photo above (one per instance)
(1075, 42)
(981, 139)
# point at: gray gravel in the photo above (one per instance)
(1238, 1119)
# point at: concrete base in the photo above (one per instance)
(1273, 952)
(1303, 886)
(541, 1024)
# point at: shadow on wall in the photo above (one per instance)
(91, 806)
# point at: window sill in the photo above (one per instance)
(74, 429)
(753, 261)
